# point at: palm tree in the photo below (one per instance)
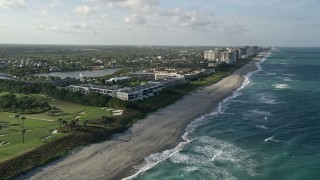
(23, 131)
(22, 118)
(17, 116)
(60, 121)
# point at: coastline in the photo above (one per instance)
(159, 131)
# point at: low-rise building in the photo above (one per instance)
(143, 75)
(128, 93)
(165, 75)
(119, 79)
(87, 88)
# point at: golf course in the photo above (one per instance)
(40, 127)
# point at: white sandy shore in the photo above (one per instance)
(114, 159)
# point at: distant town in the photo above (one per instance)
(145, 74)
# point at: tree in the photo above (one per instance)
(17, 116)
(22, 119)
(0, 127)
(85, 122)
(72, 124)
(106, 121)
(64, 123)
(23, 131)
(60, 121)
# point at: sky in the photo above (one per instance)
(161, 22)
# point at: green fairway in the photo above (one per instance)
(40, 125)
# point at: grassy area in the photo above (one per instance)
(39, 125)
(210, 79)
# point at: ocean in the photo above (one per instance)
(268, 129)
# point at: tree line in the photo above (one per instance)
(90, 99)
(10, 102)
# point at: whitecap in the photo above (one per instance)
(262, 127)
(240, 101)
(268, 99)
(257, 112)
(271, 74)
(290, 75)
(191, 169)
(287, 79)
(281, 86)
(272, 139)
(211, 150)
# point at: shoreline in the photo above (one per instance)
(159, 131)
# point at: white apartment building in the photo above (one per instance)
(85, 89)
(224, 56)
(138, 93)
(129, 93)
(211, 55)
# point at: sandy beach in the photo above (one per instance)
(161, 130)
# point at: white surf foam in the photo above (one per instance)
(287, 79)
(271, 74)
(208, 151)
(268, 99)
(257, 113)
(272, 139)
(262, 127)
(154, 159)
(281, 86)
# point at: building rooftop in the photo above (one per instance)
(118, 78)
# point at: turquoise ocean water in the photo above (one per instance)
(268, 129)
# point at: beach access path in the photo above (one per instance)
(115, 159)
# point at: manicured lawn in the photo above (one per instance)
(72, 110)
(211, 79)
(39, 125)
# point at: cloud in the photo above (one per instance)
(142, 12)
(85, 10)
(235, 28)
(189, 19)
(5, 25)
(71, 28)
(56, 3)
(10, 4)
(132, 5)
(135, 19)
(44, 12)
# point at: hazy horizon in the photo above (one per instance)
(161, 22)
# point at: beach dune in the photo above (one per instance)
(161, 130)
